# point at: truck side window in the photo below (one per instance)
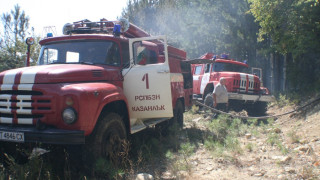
(197, 70)
(49, 56)
(152, 57)
(143, 55)
(207, 69)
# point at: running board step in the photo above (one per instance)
(148, 123)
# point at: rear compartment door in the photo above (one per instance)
(146, 82)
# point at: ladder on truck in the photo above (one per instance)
(104, 26)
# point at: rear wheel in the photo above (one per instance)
(177, 119)
(257, 109)
(236, 105)
(108, 138)
(178, 114)
(261, 108)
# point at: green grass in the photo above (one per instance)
(35, 168)
(275, 139)
(308, 172)
(250, 147)
(223, 135)
(194, 109)
(294, 138)
(104, 169)
(287, 99)
(219, 136)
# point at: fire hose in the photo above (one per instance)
(260, 117)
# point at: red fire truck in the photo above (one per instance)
(245, 90)
(94, 85)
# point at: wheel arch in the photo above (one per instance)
(119, 107)
(209, 89)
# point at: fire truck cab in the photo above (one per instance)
(95, 85)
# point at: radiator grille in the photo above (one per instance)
(24, 104)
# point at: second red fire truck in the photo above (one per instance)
(245, 90)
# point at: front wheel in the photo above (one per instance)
(208, 100)
(108, 138)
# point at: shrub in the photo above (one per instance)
(294, 138)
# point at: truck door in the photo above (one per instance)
(205, 78)
(197, 77)
(147, 83)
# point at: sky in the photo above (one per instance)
(46, 15)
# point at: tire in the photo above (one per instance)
(164, 127)
(261, 108)
(178, 114)
(236, 105)
(257, 109)
(208, 100)
(108, 137)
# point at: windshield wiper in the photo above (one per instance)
(58, 62)
(86, 62)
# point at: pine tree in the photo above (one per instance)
(12, 41)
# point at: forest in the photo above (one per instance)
(286, 31)
(253, 30)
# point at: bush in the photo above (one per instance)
(225, 131)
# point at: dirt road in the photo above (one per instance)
(287, 149)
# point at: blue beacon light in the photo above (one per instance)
(224, 56)
(117, 30)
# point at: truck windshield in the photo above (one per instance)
(80, 52)
(218, 67)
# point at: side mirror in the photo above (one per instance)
(29, 41)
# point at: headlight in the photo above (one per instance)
(69, 115)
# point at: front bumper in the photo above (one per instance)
(197, 97)
(251, 97)
(48, 135)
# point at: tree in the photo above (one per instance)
(12, 41)
(255, 30)
(199, 26)
(293, 29)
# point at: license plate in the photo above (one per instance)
(12, 136)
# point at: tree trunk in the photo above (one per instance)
(272, 72)
(284, 72)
